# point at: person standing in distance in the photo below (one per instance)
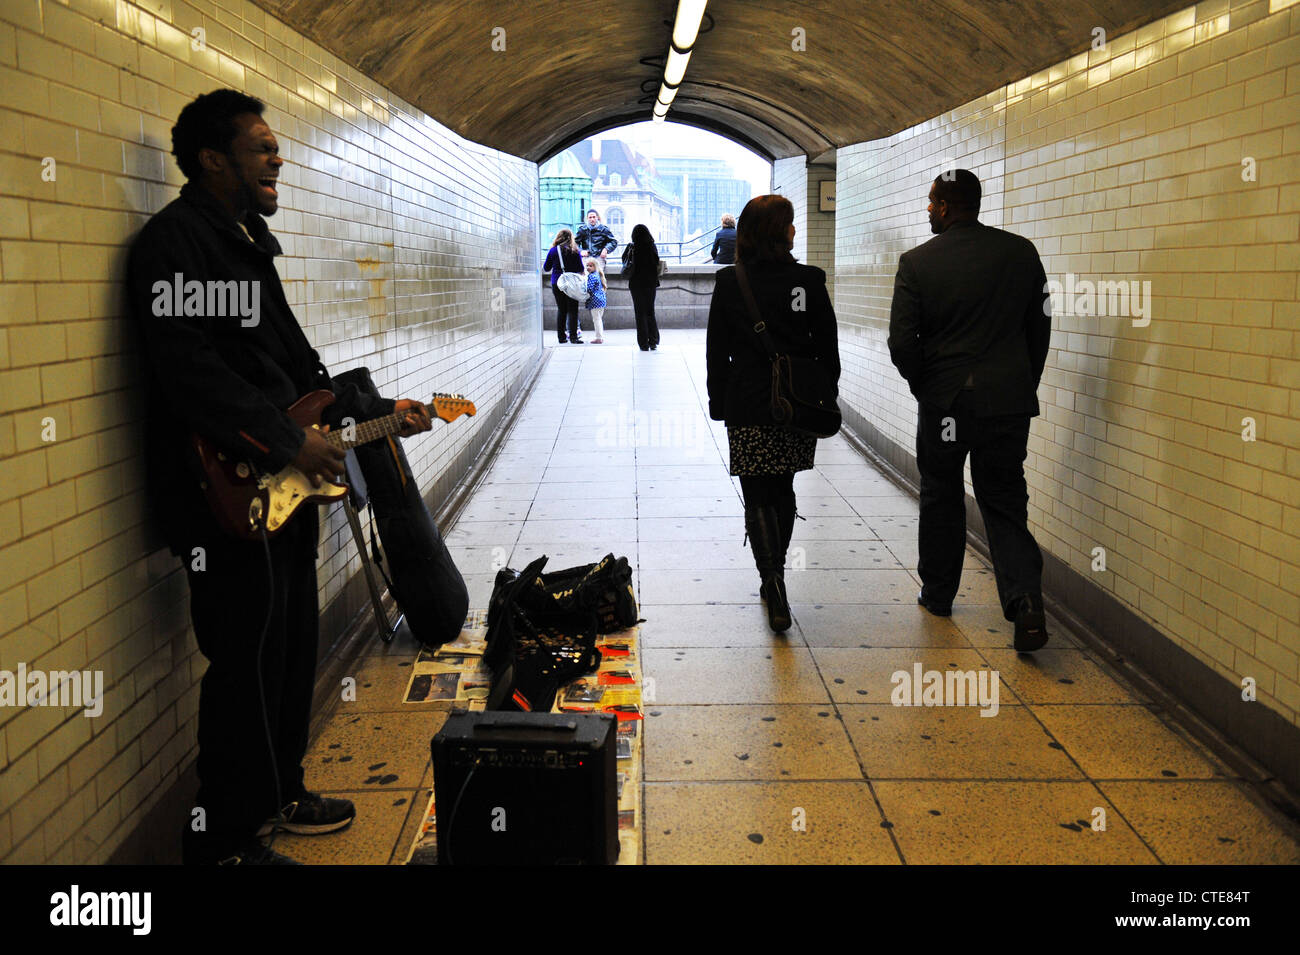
(641, 266)
(596, 239)
(969, 330)
(724, 243)
(564, 256)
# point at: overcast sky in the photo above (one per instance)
(659, 140)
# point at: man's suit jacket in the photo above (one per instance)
(971, 308)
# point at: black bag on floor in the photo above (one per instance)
(605, 587)
(534, 650)
(422, 576)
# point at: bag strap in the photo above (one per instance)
(751, 306)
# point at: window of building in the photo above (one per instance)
(615, 217)
(615, 179)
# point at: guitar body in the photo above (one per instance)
(242, 500)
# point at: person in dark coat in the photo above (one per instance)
(724, 243)
(226, 357)
(796, 308)
(596, 239)
(564, 256)
(969, 330)
(641, 266)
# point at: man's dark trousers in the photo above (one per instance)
(997, 446)
(228, 604)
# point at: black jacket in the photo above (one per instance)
(597, 239)
(215, 375)
(641, 268)
(971, 305)
(739, 370)
(724, 247)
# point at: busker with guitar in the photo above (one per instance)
(226, 358)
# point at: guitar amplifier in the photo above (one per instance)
(526, 789)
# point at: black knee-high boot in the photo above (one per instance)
(765, 540)
(785, 517)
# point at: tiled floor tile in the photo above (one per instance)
(999, 823)
(954, 742)
(736, 675)
(1124, 742)
(764, 824)
(1203, 823)
(866, 676)
(761, 742)
(365, 751)
(874, 625)
(719, 625)
(1057, 676)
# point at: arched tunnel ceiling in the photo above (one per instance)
(870, 67)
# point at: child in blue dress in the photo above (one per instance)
(596, 299)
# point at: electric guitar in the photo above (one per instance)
(245, 501)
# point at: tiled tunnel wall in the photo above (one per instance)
(407, 249)
(814, 235)
(1171, 157)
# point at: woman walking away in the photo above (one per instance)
(641, 266)
(596, 299)
(724, 243)
(564, 257)
(796, 309)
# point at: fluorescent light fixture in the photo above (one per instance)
(675, 68)
(666, 94)
(687, 25)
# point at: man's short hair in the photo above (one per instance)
(209, 123)
(960, 188)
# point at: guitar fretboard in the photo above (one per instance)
(445, 406)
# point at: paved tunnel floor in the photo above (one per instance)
(787, 749)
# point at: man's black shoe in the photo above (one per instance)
(938, 609)
(1031, 625)
(257, 854)
(313, 815)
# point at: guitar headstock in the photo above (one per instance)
(449, 407)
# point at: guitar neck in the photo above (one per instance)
(366, 431)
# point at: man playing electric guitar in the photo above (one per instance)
(226, 358)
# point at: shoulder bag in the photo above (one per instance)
(803, 394)
(572, 284)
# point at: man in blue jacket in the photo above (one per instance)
(228, 373)
(969, 331)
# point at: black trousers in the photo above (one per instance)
(567, 314)
(228, 603)
(643, 304)
(997, 455)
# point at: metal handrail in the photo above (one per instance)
(705, 241)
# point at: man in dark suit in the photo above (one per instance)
(969, 331)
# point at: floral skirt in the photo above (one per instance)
(769, 449)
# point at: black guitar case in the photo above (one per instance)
(423, 578)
